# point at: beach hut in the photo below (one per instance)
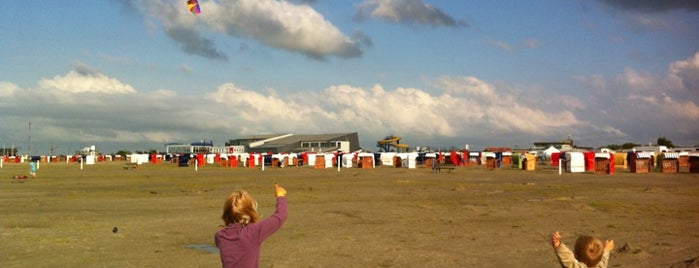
(589, 161)
(135, 158)
(241, 158)
(251, 160)
(693, 162)
(200, 160)
(279, 160)
(683, 160)
(292, 159)
(669, 162)
(464, 158)
(498, 159)
(620, 160)
(302, 159)
(529, 162)
(330, 160)
(490, 160)
(424, 161)
(232, 161)
(640, 162)
(612, 166)
(310, 159)
(474, 158)
(387, 158)
(366, 160)
(347, 160)
(506, 159)
(453, 158)
(319, 161)
(430, 160)
(554, 158)
(211, 158)
(182, 160)
(575, 162)
(603, 163)
(517, 161)
(409, 160)
(223, 161)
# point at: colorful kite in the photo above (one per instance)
(193, 6)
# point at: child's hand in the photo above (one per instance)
(279, 191)
(609, 245)
(556, 239)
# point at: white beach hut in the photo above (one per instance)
(576, 162)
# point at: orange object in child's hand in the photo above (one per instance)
(279, 191)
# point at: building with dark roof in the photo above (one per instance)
(292, 143)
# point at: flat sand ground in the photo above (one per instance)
(385, 217)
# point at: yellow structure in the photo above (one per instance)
(392, 141)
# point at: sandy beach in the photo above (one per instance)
(166, 216)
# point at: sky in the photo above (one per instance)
(137, 74)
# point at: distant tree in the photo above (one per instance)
(666, 142)
(123, 153)
(625, 146)
(613, 147)
(629, 145)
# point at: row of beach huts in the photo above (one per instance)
(573, 162)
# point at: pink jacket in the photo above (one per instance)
(240, 246)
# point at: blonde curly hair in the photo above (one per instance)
(239, 208)
(588, 250)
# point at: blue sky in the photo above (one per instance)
(136, 74)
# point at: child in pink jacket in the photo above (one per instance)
(240, 239)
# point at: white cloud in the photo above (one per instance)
(506, 111)
(406, 11)
(280, 24)
(684, 74)
(499, 44)
(642, 103)
(8, 89)
(525, 44)
(650, 22)
(75, 82)
(532, 43)
(638, 81)
(467, 86)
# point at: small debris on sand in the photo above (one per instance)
(688, 263)
(626, 248)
